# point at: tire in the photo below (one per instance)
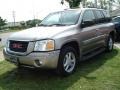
(19, 67)
(117, 36)
(109, 44)
(67, 61)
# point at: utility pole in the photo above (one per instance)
(110, 5)
(62, 2)
(34, 20)
(13, 13)
(95, 1)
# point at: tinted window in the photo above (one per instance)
(106, 13)
(100, 16)
(107, 16)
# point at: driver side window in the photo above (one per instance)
(88, 18)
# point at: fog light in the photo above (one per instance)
(38, 62)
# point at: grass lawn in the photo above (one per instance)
(99, 73)
(1, 47)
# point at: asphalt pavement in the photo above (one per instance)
(4, 37)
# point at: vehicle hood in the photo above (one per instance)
(38, 33)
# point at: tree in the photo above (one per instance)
(90, 4)
(32, 23)
(2, 23)
(118, 2)
(110, 2)
(103, 4)
(84, 3)
(72, 3)
(96, 3)
(23, 24)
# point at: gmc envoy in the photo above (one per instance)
(61, 40)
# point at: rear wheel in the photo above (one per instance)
(67, 61)
(110, 43)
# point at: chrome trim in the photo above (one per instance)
(93, 39)
(29, 48)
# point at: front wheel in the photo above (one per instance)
(110, 43)
(67, 61)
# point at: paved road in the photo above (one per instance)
(4, 37)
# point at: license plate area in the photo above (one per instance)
(14, 59)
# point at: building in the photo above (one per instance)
(12, 24)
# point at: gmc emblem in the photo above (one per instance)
(19, 46)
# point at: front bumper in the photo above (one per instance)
(35, 59)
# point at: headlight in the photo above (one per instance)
(45, 45)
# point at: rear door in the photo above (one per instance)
(101, 28)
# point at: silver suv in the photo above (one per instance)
(61, 40)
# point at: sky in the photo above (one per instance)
(28, 9)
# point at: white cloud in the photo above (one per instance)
(26, 9)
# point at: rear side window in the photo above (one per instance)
(100, 16)
(106, 14)
(88, 16)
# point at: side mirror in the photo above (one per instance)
(86, 24)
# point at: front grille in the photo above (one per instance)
(18, 46)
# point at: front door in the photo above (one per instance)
(88, 32)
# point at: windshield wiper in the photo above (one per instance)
(53, 25)
(42, 25)
(58, 25)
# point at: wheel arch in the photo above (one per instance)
(112, 33)
(73, 44)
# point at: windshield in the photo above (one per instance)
(62, 18)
